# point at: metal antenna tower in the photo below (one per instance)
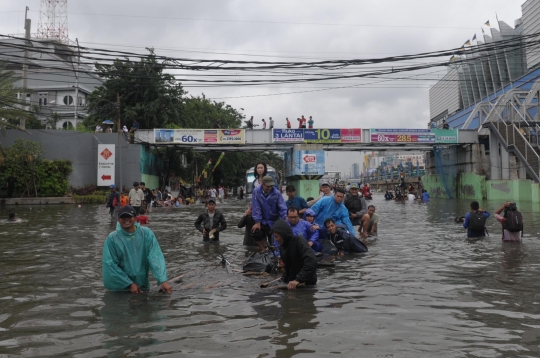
(53, 21)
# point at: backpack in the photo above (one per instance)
(115, 202)
(514, 220)
(260, 262)
(477, 221)
(124, 200)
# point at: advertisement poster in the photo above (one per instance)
(448, 136)
(351, 135)
(402, 136)
(288, 135)
(189, 136)
(231, 136)
(322, 135)
(105, 164)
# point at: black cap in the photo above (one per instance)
(211, 200)
(127, 210)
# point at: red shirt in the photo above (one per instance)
(142, 219)
(288, 124)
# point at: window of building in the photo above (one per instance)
(68, 100)
(43, 98)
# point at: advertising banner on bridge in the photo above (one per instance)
(200, 136)
(231, 136)
(319, 135)
(391, 135)
(448, 136)
(288, 135)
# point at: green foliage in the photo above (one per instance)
(35, 175)
(52, 177)
(96, 198)
(147, 94)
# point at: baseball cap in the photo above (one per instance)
(354, 186)
(211, 200)
(268, 180)
(127, 210)
(325, 183)
(112, 186)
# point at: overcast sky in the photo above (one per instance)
(306, 30)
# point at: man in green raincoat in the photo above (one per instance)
(128, 255)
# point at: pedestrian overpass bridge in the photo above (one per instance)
(280, 139)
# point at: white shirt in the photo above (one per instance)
(212, 193)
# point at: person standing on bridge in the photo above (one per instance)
(271, 124)
(288, 123)
(264, 124)
(310, 122)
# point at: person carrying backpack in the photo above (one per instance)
(512, 222)
(475, 221)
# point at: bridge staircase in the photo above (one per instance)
(520, 140)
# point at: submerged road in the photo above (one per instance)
(423, 290)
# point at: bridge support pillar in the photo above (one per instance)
(495, 159)
(304, 166)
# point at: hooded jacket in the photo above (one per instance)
(266, 210)
(298, 257)
(128, 257)
(303, 228)
(328, 208)
(356, 205)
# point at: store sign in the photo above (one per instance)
(105, 164)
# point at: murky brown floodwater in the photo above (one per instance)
(422, 291)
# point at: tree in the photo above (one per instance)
(147, 94)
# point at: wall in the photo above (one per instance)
(306, 188)
(81, 150)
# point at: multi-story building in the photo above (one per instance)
(58, 83)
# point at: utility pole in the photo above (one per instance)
(77, 84)
(120, 161)
(27, 23)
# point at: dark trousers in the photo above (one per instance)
(10, 191)
(137, 208)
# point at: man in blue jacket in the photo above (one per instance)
(267, 206)
(303, 228)
(333, 207)
(475, 221)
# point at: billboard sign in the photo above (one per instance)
(288, 135)
(392, 135)
(105, 164)
(319, 135)
(200, 136)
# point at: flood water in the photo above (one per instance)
(423, 290)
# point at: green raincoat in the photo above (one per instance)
(128, 257)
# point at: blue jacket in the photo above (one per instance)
(472, 233)
(267, 210)
(303, 228)
(425, 196)
(328, 208)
